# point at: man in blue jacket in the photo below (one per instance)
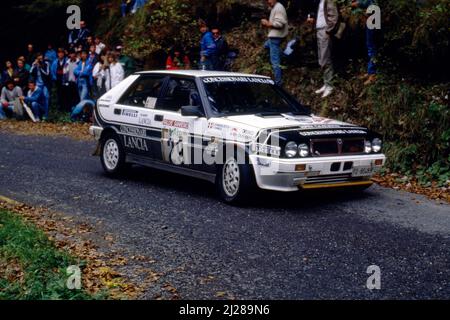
(208, 48)
(40, 72)
(35, 99)
(83, 72)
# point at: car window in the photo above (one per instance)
(144, 92)
(179, 93)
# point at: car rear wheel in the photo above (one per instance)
(112, 155)
(235, 182)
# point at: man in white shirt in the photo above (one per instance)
(326, 24)
(278, 30)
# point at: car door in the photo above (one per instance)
(181, 136)
(135, 109)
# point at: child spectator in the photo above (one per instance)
(10, 93)
(98, 75)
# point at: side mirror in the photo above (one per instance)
(192, 111)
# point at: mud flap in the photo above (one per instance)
(97, 150)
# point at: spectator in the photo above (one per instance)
(137, 5)
(57, 72)
(326, 22)
(40, 72)
(31, 55)
(83, 72)
(83, 111)
(208, 49)
(27, 65)
(35, 99)
(114, 73)
(90, 41)
(10, 93)
(21, 74)
(98, 75)
(127, 62)
(70, 81)
(79, 37)
(8, 73)
(371, 75)
(93, 57)
(50, 55)
(178, 60)
(99, 45)
(278, 31)
(222, 49)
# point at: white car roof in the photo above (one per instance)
(201, 73)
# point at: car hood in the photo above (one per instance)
(245, 128)
(288, 121)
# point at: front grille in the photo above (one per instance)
(334, 147)
(330, 179)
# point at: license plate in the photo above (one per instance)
(363, 171)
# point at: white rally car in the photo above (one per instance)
(238, 131)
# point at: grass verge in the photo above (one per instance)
(31, 267)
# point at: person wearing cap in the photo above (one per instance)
(208, 48)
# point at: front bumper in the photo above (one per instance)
(313, 173)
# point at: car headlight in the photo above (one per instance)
(291, 149)
(368, 147)
(376, 145)
(303, 150)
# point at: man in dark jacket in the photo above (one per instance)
(21, 74)
(221, 47)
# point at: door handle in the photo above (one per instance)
(159, 118)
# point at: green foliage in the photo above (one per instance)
(159, 25)
(42, 264)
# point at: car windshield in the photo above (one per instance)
(246, 95)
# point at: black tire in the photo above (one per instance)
(113, 164)
(246, 186)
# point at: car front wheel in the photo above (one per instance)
(112, 155)
(235, 182)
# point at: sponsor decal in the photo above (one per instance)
(130, 113)
(133, 131)
(266, 149)
(136, 143)
(331, 132)
(238, 79)
(242, 134)
(144, 119)
(176, 124)
(321, 120)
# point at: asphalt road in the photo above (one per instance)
(282, 246)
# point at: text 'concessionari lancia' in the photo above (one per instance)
(238, 131)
